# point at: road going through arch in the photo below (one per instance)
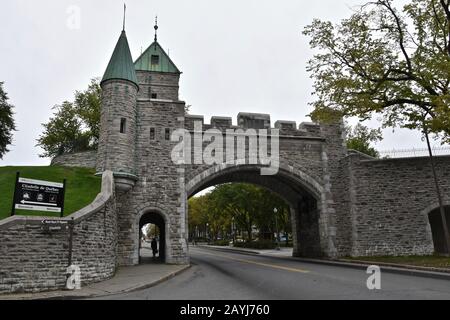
(221, 275)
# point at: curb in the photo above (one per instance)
(404, 266)
(100, 295)
(129, 290)
(397, 269)
(154, 283)
(434, 273)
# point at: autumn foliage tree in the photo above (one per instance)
(245, 206)
(386, 61)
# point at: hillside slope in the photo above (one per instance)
(82, 187)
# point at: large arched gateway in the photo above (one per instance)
(342, 203)
(302, 193)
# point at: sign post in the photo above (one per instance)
(13, 211)
(71, 227)
(37, 195)
(63, 197)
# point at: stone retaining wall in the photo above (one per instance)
(33, 260)
(390, 202)
(86, 159)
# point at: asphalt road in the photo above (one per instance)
(217, 275)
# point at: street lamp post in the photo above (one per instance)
(275, 210)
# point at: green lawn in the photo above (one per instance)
(82, 187)
(423, 261)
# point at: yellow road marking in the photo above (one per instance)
(260, 263)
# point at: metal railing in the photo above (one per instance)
(410, 153)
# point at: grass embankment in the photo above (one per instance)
(434, 261)
(81, 189)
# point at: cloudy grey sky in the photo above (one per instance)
(236, 55)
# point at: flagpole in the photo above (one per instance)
(124, 15)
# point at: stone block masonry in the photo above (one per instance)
(86, 159)
(342, 203)
(34, 260)
(391, 200)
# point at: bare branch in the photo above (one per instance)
(388, 6)
(445, 6)
(441, 26)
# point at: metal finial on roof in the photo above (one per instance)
(124, 15)
(156, 28)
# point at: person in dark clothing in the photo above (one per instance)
(154, 247)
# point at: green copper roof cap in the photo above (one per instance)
(121, 64)
(155, 59)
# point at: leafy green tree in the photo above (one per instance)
(247, 205)
(386, 61)
(75, 125)
(360, 137)
(88, 105)
(199, 215)
(266, 220)
(238, 202)
(63, 133)
(7, 125)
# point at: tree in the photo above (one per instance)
(247, 205)
(63, 133)
(7, 125)
(266, 220)
(385, 61)
(360, 137)
(88, 105)
(75, 125)
(199, 215)
(237, 201)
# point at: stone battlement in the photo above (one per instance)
(255, 121)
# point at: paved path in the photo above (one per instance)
(227, 275)
(126, 279)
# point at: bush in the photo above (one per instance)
(222, 243)
(260, 244)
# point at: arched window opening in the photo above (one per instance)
(437, 229)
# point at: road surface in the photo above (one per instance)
(217, 275)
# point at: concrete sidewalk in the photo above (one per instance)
(127, 279)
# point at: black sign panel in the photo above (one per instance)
(37, 195)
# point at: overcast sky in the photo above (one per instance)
(236, 56)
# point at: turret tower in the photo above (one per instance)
(117, 143)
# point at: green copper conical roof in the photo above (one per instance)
(121, 64)
(155, 59)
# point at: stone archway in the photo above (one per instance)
(436, 228)
(157, 218)
(305, 196)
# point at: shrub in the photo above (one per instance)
(222, 243)
(260, 244)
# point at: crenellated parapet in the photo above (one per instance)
(256, 121)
